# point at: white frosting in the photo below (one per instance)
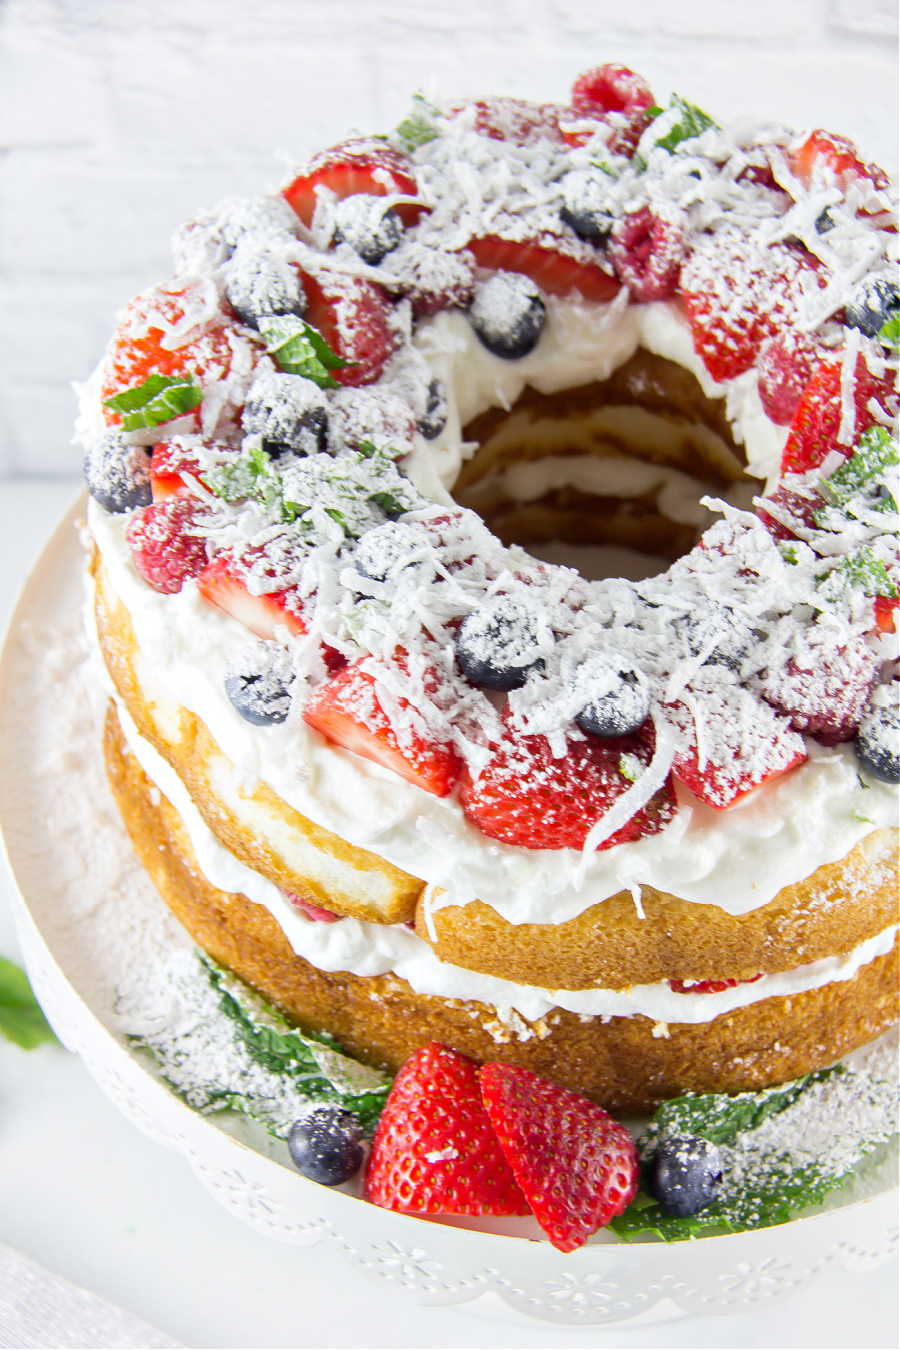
(374, 949)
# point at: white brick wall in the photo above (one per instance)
(119, 117)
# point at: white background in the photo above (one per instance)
(120, 117)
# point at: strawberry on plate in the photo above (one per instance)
(551, 264)
(435, 1150)
(817, 421)
(223, 583)
(362, 164)
(348, 711)
(577, 1167)
(166, 546)
(354, 317)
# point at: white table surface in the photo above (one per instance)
(95, 1201)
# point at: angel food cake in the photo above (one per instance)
(494, 565)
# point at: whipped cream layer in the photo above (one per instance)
(368, 949)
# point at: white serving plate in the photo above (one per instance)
(81, 900)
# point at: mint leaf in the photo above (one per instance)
(876, 452)
(247, 474)
(889, 335)
(691, 121)
(858, 571)
(159, 399)
(300, 349)
(21, 1019)
(419, 125)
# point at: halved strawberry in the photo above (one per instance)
(553, 270)
(354, 318)
(223, 583)
(435, 1150)
(817, 421)
(347, 711)
(577, 1167)
(824, 160)
(172, 459)
(784, 369)
(796, 511)
(708, 986)
(617, 97)
(362, 164)
(513, 119)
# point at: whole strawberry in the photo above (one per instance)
(435, 1150)
(577, 1167)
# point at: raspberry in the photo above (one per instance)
(784, 369)
(431, 278)
(647, 253)
(164, 545)
(823, 688)
(617, 96)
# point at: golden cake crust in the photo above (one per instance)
(626, 1064)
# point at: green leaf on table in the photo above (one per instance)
(21, 1019)
(159, 399)
(299, 349)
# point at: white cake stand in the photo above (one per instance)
(86, 912)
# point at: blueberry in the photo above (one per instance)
(386, 549)
(825, 221)
(508, 315)
(684, 1175)
(586, 205)
(289, 412)
(719, 632)
(326, 1145)
(258, 680)
(877, 744)
(872, 303)
(498, 645)
(258, 282)
(368, 225)
(117, 473)
(434, 418)
(621, 703)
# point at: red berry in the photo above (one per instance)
(708, 986)
(224, 583)
(524, 796)
(824, 687)
(431, 278)
(617, 96)
(170, 460)
(362, 164)
(885, 613)
(797, 508)
(348, 711)
(553, 269)
(435, 1150)
(514, 120)
(784, 369)
(311, 911)
(647, 254)
(817, 421)
(827, 160)
(165, 546)
(354, 318)
(577, 1167)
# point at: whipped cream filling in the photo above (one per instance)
(369, 949)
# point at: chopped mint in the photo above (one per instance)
(783, 1149)
(889, 335)
(876, 452)
(419, 126)
(21, 1019)
(350, 494)
(300, 349)
(630, 767)
(248, 474)
(688, 121)
(159, 399)
(859, 570)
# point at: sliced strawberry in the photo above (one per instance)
(354, 318)
(817, 421)
(513, 119)
(796, 512)
(826, 160)
(784, 369)
(886, 613)
(708, 986)
(362, 164)
(166, 546)
(524, 796)
(435, 1150)
(315, 912)
(647, 254)
(347, 711)
(744, 744)
(171, 460)
(616, 97)
(577, 1167)
(553, 270)
(737, 295)
(224, 584)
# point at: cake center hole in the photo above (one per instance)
(606, 477)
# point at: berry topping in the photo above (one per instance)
(647, 254)
(435, 1150)
(708, 986)
(354, 318)
(368, 225)
(586, 204)
(827, 160)
(823, 687)
(348, 711)
(289, 412)
(171, 461)
(514, 120)
(816, 428)
(555, 270)
(791, 512)
(387, 550)
(877, 744)
(258, 282)
(619, 701)
(684, 1175)
(716, 634)
(326, 1145)
(616, 96)
(577, 1167)
(873, 302)
(225, 583)
(784, 369)
(166, 545)
(117, 474)
(434, 418)
(363, 165)
(314, 912)
(508, 315)
(500, 643)
(431, 278)
(525, 795)
(258, 680)
(375, 416)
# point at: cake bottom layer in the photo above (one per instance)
(627, 1064)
